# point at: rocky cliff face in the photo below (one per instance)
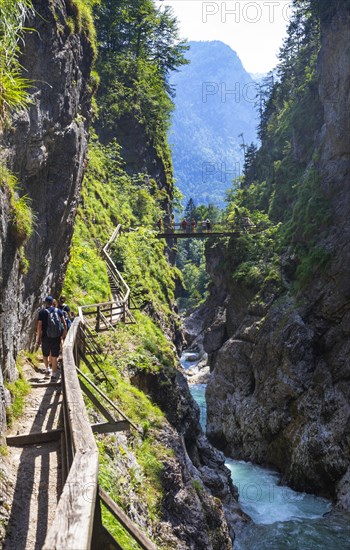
(200, 501)
(45, 147)
(279, 393)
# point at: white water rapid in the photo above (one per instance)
(282, 518)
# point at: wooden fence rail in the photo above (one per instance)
(118, 279)
(77, 523)
(75, 513)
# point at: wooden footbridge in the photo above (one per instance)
(204, 230)
(77, 524)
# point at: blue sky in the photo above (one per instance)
(254, 29)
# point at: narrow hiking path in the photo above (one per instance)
(56, 498)
(36, 467)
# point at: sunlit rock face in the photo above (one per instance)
(279, 393)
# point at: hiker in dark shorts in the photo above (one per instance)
(51, 327)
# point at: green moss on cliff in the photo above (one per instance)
(253, 258)
(18, 390)
(22, 217)
(109, 197)
(81, 21)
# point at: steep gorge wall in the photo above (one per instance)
(45, 146)
(200, 501)
(279, 393)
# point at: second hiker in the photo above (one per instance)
(66, 311)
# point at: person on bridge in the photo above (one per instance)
(208, 224)
(51, 326)
(193, 225)
(184, 224)
(160, 225)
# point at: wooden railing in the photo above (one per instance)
(104, 316)
(77, 524)
(122, 287)
(75, 513)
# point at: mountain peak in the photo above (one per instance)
(214, 105)
(215, 50)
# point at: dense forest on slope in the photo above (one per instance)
(135, 58)
(215, 114)
(279, 189)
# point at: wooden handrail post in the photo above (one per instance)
(98, 319)
(124, 312)
(97, 525)
(77, 344)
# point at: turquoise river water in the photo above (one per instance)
(282, 518)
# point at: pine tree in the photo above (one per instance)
(249, 167)
(190, 210)
(138, 48)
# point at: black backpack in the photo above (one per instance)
(54, 324)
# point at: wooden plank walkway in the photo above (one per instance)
(38, 465)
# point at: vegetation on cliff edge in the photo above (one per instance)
(280, 188)
(14, 94)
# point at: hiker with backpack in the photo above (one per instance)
(51, 327)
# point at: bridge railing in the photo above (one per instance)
(243, 225)
(78, 523)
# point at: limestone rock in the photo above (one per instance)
(199, 377)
